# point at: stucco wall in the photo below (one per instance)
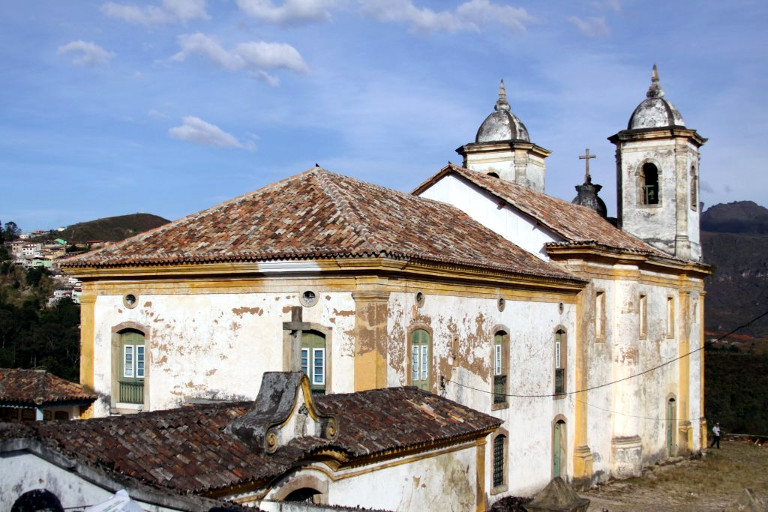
(462, 339)
(658, 224)
(478, 204)
(444, 480)
(21, 471)
(216, 345)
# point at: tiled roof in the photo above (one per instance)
(188, 450)
(575, 224)
(319, 214)
(38, 387)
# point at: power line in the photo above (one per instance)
(599, 386)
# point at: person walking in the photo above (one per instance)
(715, 436)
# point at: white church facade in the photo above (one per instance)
(582, 336)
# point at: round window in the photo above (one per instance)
(308, 298)
(130, 300)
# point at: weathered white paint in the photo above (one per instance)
(635, 409)
(469, 325)
(22, 471)
(268, 267)
(510, 223)
(441, 480)
(672, 225)
(216, 346)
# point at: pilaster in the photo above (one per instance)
(371, 313)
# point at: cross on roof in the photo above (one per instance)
(586, 156)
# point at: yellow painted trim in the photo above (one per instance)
(684, 367)
(480, 492)
(87, 343)
(374, 266)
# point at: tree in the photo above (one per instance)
(11, 231)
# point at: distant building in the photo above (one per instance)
(35, 395)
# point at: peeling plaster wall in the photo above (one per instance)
(480, 205)
(446, 481)
(216, 345)
(659, 224)
(637, 407)
(463, 330)
(21, 471)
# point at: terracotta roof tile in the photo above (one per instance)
(316, 215)
(38, 387)
(575, 224)
(188, 449)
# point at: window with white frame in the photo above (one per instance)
(313, 360)
(500, 368)
(132, 367)
(420, 359)
(560, 362)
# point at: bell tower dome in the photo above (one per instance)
(503, 148)
(657, 174)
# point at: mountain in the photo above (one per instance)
(735, 242)
(737, 217)
(110, 229)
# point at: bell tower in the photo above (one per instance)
(503, 148)
(657, 171)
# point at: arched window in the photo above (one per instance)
(313, 360)
(499, 456)
(671, 414)
(694, 189)
(561, 361)
(304, 495)
(421, 354)
(649, 184)
(500, 360)
(559, 449)
(131, 366)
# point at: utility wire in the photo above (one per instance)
(611, 383)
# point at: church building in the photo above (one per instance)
(582, 335)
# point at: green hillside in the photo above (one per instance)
(109, 229)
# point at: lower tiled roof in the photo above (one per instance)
(188, 450)
(33, 388)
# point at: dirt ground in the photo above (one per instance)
(708, 483)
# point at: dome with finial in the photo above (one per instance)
(502, 124)
(655, 111)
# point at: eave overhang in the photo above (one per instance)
(598, 253)
(381, 265)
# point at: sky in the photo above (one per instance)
(172, 106)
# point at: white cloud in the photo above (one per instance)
(255, 56)
(592, 26)
(291, 11)
(170, 11)
(471, 15)
(86, 53)
(614, 5)
(198, 131)
(483, 12)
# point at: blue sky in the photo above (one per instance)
(172, 106)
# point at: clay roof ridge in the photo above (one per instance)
(347, 210)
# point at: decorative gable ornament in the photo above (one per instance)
(283, 411)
